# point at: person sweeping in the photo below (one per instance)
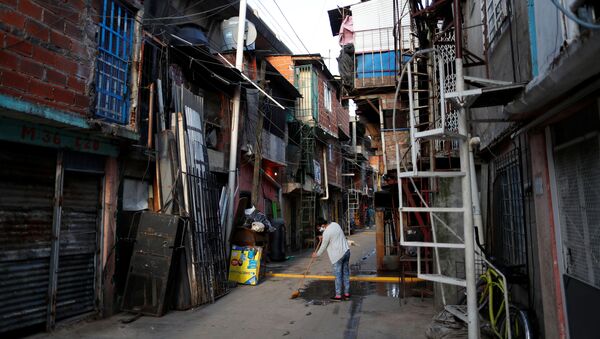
(334, 240)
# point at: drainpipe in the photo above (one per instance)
(354, 136)
(326, 181)
(239, 54)
(472, 309)
(477, 220)
(383, 136)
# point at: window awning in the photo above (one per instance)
(495, 93)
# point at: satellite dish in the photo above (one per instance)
(230, 28)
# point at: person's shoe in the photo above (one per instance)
(346, 296)
(336, 298)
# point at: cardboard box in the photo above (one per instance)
(244, 265)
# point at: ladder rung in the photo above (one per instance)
(414, 108)
(431, 244)
(433, 209)
(439, 134)
(431, 174)
(443, 279)
(414, 90)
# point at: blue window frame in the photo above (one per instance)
(113, 63)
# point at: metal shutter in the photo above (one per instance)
(78, 245)
(27, 177)
(578, 183)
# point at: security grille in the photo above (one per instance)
(306, 81)
(444, 46)
(112, 69)
(509, 237)
(577, 167)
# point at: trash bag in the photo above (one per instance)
(346, 65)
(277, 241)
(446, 326)
(258, 226)
(254, 215)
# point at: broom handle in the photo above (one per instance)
(312, 259)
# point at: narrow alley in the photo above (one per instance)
(266, 310)
(227, 168)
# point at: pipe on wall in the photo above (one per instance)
(326, 177)
(576, 64)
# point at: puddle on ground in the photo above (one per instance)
(318, 292)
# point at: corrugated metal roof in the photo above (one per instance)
(373, 14)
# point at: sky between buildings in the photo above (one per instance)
(309, 21)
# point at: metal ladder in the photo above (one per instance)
(307, 197)
(461, 100)
(353, 206)
(437, 132)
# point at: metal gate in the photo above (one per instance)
(78, 245)
(577, 165)
(509, 241)
(29, 177)
(26, 200)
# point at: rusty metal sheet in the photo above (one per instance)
(26, 193)
(78, 245)
(146, 286)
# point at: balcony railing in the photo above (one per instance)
(376, 58)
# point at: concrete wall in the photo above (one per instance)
(451, 260)
(510, 43)
(550, 33)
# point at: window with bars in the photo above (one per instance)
(114, 60)
(509, 232)
(496, 12)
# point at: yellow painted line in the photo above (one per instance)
(368, 278)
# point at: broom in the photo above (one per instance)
(296, 293)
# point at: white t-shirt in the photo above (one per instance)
(334, 240)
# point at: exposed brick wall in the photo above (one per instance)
(47, 52)
(284, 65)
(403, 138)
(342, 114)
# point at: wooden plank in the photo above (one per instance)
(379, 239)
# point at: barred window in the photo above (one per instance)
(113, 63)
(509, 244)
(496, 12)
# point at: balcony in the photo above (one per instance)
(376, 58)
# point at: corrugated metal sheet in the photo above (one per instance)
(373, 14)
(26, 194)
(78, 245)
(373, 23)
(273, 147)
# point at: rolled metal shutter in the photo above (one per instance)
(27, 177)
(78, 245)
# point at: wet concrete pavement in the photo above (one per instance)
(266, 311)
